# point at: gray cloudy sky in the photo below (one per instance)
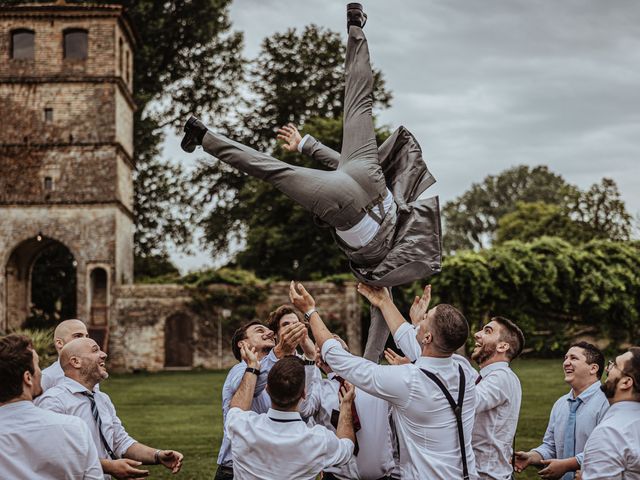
(488, 85)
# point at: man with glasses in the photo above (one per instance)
(573, 416)
(613, 449)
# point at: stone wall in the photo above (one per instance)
(141, 313)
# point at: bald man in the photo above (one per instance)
(120, 455)
(66, 331)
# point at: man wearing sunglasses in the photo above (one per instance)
(613, 449)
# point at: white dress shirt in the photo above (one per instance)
(260, 404)
(425, 422)
(589, 414)
(67, 398)
(53, 375)
(35, 443)
(498, 398)
(280, 445)
(612, 451)
(375, 455)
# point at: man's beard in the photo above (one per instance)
(609, 388)
(486, 352)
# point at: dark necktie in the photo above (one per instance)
(478, 379)
(96, 417)
(354, 416)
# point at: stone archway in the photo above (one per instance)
(178, 341)
(41, 283)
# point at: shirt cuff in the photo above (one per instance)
(580, 458)
(329, 344)
(302, 142)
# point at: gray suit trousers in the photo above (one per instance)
(342, 197)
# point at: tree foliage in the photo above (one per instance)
(298, 77)
(521, 202)
(552, 289)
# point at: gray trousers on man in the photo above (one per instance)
(341, 197)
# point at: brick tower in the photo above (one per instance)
(66, 152)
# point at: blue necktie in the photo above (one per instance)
(570, 434)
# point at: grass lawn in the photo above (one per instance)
(181, 411)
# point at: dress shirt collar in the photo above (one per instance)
(17, 408)
(625, 406)
(484, 371)
(588, 393)
(434, 362)
(73, 386)
(286, 416)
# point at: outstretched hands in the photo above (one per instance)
(291, 136)
(300, 298)
(395, 359)
(376, 295)
(420, 306)
(347, 394)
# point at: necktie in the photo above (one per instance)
(96, 417)
(478, 379)
(354, 416)
(570, 434)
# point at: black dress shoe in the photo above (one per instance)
(355, 15)
(194, 131)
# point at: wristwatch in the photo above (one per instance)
(307, 316)
(255, 371)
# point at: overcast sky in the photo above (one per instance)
(488, 85)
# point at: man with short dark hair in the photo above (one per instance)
(262, 339)
(573, 416)
(434, 428)
(83, 363)
(613, 449)
(278, 444)
(499, 395)
(65, 332)
(35, 443)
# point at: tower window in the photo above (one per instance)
(48, 183)
(127, 67)
(120, 54)
(76, 44)
(22, 44)
(48, 114)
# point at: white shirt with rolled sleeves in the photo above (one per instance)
(280, 445)
(612, 451)
(589, 414)
(425, 422)
(36, 443)
(498, 398)
(375, 456)
(67, 398)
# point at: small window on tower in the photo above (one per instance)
(48, 183)
(127, 67)
(48, 114)
(22, 44)
(75, 44)
(120, 54)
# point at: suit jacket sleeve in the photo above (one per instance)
(316, 150)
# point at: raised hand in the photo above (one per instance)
(347, 394)
(420, 306)
(376, 295)
(291, 136)
(394, 359)
(300, 298)
(290, 337)
(249, 355)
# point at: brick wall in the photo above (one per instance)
(137, 339)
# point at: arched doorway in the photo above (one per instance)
(178, 341)
(41, 284)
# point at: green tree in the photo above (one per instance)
(601, 212)
(298, 77)
(472, 219)
(533, 220)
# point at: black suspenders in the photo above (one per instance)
(457, 410)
